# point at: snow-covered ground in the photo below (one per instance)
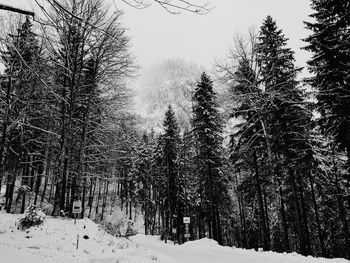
(56, 241)
(208, 251)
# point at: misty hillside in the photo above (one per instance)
(170, 82)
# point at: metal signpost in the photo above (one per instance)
(76, 210)
(187, 221)
(174, 234)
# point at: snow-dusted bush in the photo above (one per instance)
(47, 208)
(130, 229)
(118, 224)
(33, 216)
(113, 229)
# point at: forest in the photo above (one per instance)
(278, 179)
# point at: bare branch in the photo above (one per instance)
(16, 10)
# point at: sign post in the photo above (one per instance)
(76, 210)
(174, 234)
(187, 221)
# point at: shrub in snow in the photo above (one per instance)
(112, 229)
(33, 216)
(130, 230)
(118, 224)
(47, 208)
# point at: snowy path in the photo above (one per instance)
(182, 254)
(208, 251)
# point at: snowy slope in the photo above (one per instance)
(55, 242)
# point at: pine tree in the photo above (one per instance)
(207, 136)
(170, 153)
(25, 109)
(287, 120)
(329, 44)
(186, 182)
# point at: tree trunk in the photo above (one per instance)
(25, 179)
(9, 197)
(98, 198)
(38, 181)
(303, 249)
(52, 184)
(343, 218)
(265, 238)
(56, 196)
(92, 194)
(241, 213)
(105, 195)
(47, 173)
(284, 221)
(83, 199)
(304, 216)
(3, 145)
(318, 223)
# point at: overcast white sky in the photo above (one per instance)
(157, 35)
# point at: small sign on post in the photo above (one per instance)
(187, 220)
(76, 210)
(76, 207)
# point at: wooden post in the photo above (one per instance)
(77, 241)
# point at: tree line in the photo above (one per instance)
(280, 181)
(63, 103)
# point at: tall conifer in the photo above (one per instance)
(329, 64)
(207, 132)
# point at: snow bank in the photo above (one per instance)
(209, 251)
(56, 242)
(288, 257)
(204, 243)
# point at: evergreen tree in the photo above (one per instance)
(170, 153)
(186, 182)
(207, 129)
(25, 110)
(329, 44)
(287, 120)
(248, 144)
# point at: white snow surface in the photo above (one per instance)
(209, 251)
(55, 242)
